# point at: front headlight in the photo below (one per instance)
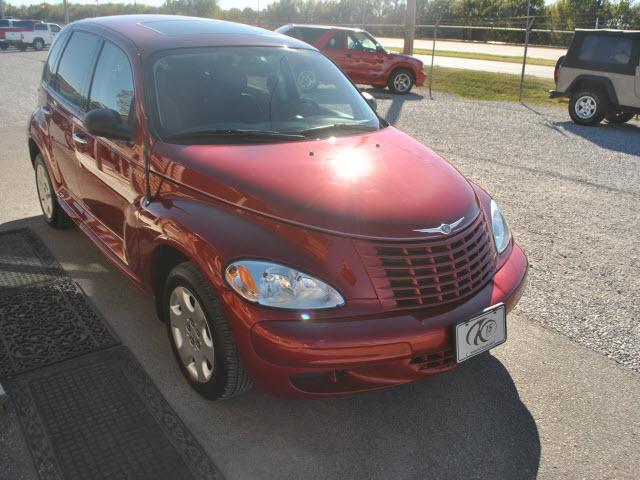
(274, 285)
(499, 227)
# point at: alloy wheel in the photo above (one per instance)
(191, 334)
(586, 107)
(402, 82)
(45, 193)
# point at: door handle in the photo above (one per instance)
(76, 137)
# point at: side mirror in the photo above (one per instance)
(104, 122)
(371, 100)
(380, 49)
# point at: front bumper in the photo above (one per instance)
(420, 77)
(343, 356)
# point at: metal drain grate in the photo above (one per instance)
(24, 260)
(101, 417)
(47, 323)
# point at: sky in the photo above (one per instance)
(224, 4)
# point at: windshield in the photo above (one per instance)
(206, 95)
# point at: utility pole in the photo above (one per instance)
(1, 8)
(526, 48)
(66, 12)
(409, 27)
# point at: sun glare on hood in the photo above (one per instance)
(351, 165)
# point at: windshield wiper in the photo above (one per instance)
(236, 133)
(356, 127)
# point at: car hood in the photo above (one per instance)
(405, 58)
(382, 184)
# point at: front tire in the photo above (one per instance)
(51, 209)
(588, 107)
(401, 81)
(200, 336)
(38, 44)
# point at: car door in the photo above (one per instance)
(335, 48)
(107, 178)
(66, 105)
(365, 61)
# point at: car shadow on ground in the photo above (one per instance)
(392, 113)
(623, 138)
(468, 423)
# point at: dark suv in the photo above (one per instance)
(601, 76)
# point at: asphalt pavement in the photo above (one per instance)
(558, 400)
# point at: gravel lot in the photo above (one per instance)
(540, 406)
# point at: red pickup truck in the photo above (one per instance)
(360, 56)
(14, 25)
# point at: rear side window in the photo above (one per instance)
(608, 50)
(75, 67)
(5, 23)
(23, 24)
(113, 82)
(308, 35)
(54, 55)
(337, 41)
(40, 26)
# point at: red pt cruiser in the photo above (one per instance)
(291, 239)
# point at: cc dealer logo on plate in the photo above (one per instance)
(481, 331)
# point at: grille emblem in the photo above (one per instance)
(445, 228)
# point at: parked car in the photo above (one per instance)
(39, 37)
(361, 57)
(14, 25)
(291, 238)
(601, 76)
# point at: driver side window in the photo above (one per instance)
(360, 41)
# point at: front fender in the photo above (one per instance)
(211, 234)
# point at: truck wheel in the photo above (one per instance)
(38, 44)
(200, 336)
(588, 107)
(3, 46)
(401, 81)
(619, 116)
(51, 209)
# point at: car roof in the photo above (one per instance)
(609, 31)
(324, 27)
(151, 33)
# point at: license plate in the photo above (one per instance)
(481, 333)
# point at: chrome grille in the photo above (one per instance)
(431, 273)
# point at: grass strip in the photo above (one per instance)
(481, 56)
(492, 86)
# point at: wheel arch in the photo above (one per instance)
(402, 66)
(34, 150)
(594, 81)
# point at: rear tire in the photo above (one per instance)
(588, 107)
(53, 213)
(3, 46)
(200, 337)
(619, 116)
(401, 81)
